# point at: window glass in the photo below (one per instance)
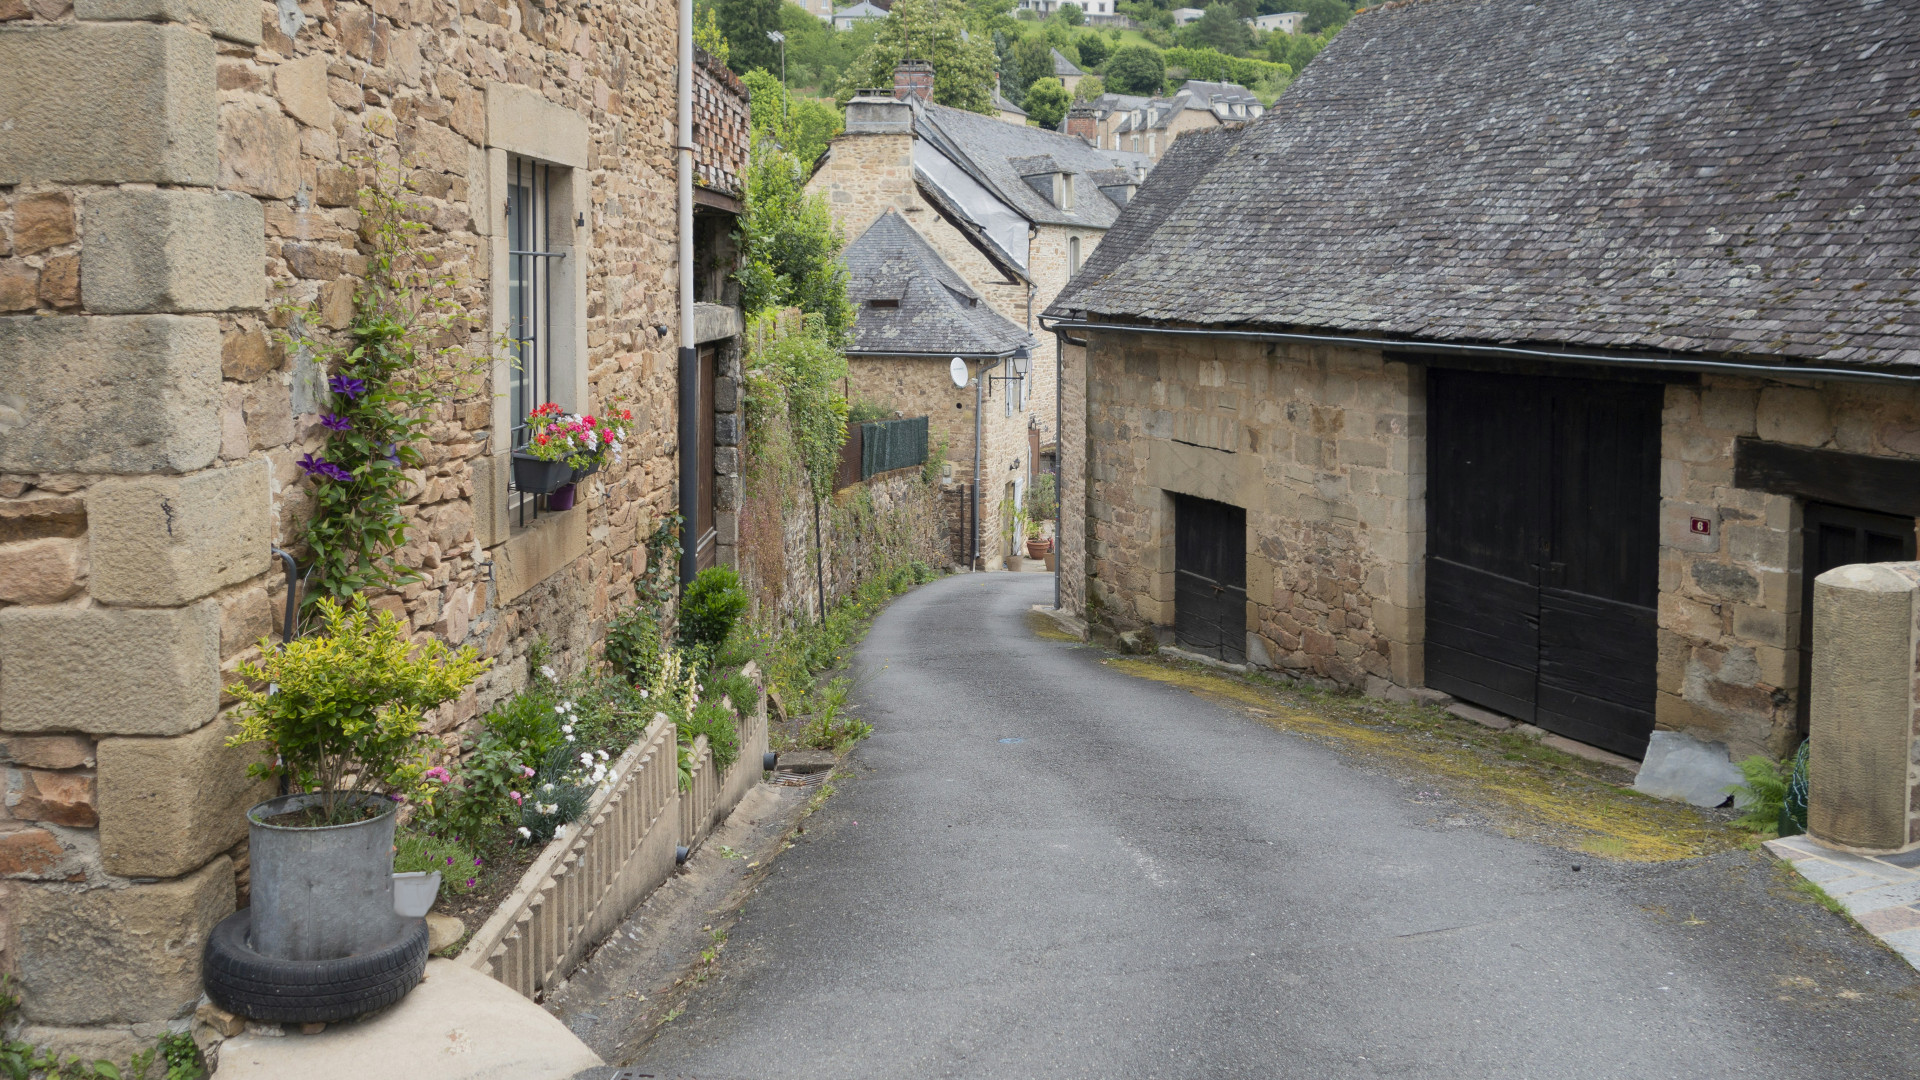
(530, 270)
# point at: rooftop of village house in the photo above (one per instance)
(1677, 177)
(910, 302)
(988, 148)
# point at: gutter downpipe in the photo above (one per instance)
(979, 381)
(1658, 363)
(1059, 460)
(689, 353)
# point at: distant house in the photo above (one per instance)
(823, 9)
(845, 18)
(1097, 11)
(1007, 110)
(915, 315)
(1066, 71)
(1286, 22)
(1555, 396)
(1014, 211)
(1185, 15)
(1148, 126)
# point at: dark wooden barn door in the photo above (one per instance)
(1836, 536)
(1543, 502)
(1210, 577)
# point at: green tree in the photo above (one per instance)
(803, 125)
(1295, 50)
(1094, 49)
(990, 17)
(1032, 61)
(1322, 14)
(1135, 69)
(817, 54)
(1047, 101)
(1218, 29)
(962, 63)
(707, 35)
(745, 23)
(1089, 88)
(1070, 14)
(790, 245)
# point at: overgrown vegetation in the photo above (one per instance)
(396, 359)
(173, 1053)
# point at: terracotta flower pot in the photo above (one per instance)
(1037, 549)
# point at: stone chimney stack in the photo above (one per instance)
(913, 77)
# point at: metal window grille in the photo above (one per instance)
(531, 268)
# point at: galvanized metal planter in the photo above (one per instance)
(321, 893)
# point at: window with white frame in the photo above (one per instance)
(1073, 256)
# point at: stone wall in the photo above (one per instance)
(1325, 449)
(167, 184)
(721, 127)
(1730, 599)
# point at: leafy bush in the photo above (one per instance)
(527, 723)
(719, 725)
(634, 643)
(863, 411)
(480, 798)
(791, 245)
(1042, 498)
(1764, 792)
(419, 851)
(561, 788)
(799, 375)
(1047, 101)
(342, 709)
(1212, 65)
(714, 601)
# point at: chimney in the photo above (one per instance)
(1081, 121)
(913, 77)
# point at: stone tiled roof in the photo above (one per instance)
(1739, 177)
(1001, 104)
(1166, 188)
(937, 312)
(990, 147)
(1063, 67)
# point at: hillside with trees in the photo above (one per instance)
(969, 42)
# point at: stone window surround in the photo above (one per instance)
(523, 123)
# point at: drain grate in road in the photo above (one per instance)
(784, 778)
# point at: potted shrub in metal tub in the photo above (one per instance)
(342, 711)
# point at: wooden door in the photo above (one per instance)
(1543, 545)
(1210, 577)
(703, 523)
(1836, 536)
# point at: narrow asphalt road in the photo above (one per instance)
(1039, 867)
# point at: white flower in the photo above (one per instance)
(566, 729)
(643, 694)
(586, 759)
(546, 787)
(569, 738)
(559, 831)
(561, 709)
(603, 755)
(526, 833)
(548, 671)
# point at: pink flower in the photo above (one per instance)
(515, 796)
(526, 772)
(439, 775)
(470, 883)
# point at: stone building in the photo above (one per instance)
(1127, 123)
(1014, 211)
(171, 178)
(914, 316)
(1550, 382)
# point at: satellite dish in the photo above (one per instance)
(958, 369)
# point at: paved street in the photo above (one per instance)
(1039, 867)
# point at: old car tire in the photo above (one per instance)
(262, 988)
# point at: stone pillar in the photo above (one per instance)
(1863, 781)
(123, 540)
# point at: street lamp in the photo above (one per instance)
(780, 39)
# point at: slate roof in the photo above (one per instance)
(989, 147)
(1740, 177)
(1166, 188)
(1001, 104)
(1063, 67)
(938, 313)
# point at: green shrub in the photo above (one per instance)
(719, 725)
(1765, 793)
(480, 799)
(527, 722)
(713, 602)
(558, 794)
(633, 644)
(419, 851)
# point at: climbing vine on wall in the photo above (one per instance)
(385, 371)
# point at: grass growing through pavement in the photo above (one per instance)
(1525, 789)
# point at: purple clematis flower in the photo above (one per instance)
(346, 387)
(319, 466)
(335, 422)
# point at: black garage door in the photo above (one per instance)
(1543, 539)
